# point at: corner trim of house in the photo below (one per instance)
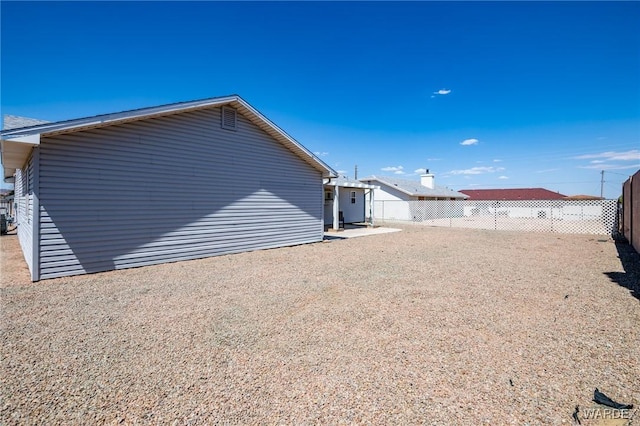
(35, 246)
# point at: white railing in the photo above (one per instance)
(563, 216)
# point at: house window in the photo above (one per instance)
(229, 118)
(353, 197)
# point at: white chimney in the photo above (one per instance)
(428, 180)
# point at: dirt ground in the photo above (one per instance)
(424, 326)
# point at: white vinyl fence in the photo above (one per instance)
(563, 216)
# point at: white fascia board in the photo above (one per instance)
(32, 139)
(397, 188)
(295, 144)
(109, 119)
(14, 151)
(352, 185)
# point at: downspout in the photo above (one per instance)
(328, 181)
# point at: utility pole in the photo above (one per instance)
(602, 184)
(355, 172)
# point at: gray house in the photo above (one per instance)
(92, 193)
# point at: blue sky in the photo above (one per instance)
(485, 95)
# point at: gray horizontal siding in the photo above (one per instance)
(169, 189)
(24, 215)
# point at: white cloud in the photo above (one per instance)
(503, 177)
(547, 170)
(321, 154)
(497, 160)
(632, 155)
(476, 170)
(422, 171)
(442, 92)
(394, 169)
(611, 160)
(611, 167)
(471, 141)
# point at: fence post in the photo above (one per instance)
(451, 210)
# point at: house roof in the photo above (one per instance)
(512, 194)
(583, 197)
(414, 188)
(344, 182)
(17, 143)
(16, 121)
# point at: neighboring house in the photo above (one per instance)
(512, 194)
(392, 188)
(6, 202)
(351, 198)
(537, 203)
(392, 196)
(93, 193)
(583, 197)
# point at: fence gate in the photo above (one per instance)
(563, 216)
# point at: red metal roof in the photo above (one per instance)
(512, 194)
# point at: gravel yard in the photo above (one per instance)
(423, 326)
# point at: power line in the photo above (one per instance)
(614, 173)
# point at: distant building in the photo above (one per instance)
(583, 197)
(6, 202)
(393, 189)
(512, 194)
(537, 203)
(399, 199)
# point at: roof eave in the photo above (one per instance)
(352, 185)
(390, 185)
(277, 133)
(15, 151)
(70, 126)
(79, 124)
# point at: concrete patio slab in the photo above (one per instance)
(354, 231)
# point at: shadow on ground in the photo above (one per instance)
(630, 260)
